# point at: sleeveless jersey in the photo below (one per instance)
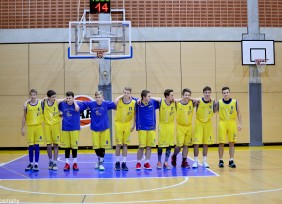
(167, 112)
(205, 110)
(34, 114)
(184, 113)
(227, 110)
(125, 111)
(51, 113)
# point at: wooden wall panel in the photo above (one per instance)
(163, 67)
(13, 69)
(46, 67)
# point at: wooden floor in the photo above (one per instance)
(257, 179)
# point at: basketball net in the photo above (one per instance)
(261, 64)
(100, 58)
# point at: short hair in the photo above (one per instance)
(186, 90)
(70, 93)
(128, 89)
(225, 88)
(206, 88)
(144, 93)
(32, 91)
(98, 93)
(51, 93)
(167, 92)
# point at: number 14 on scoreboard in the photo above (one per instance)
(100, 6)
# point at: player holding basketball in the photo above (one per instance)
(124, 124)
(146, 127)
(203, 131)
(100, 126)
(184, 115)
(229, 113)
(70, 128)
(33, 119)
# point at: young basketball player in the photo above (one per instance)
(70, 128)
(229, 113)
(33, 119)
(184, 115)
(124, 124)
(146, 127)
(100, 126)
(203, 131)
(166, 127)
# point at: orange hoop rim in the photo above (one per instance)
(99, 52)
(260, 61)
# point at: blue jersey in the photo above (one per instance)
(99, 114)
(71, 118)
(146, 115)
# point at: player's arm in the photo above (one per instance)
(24, 119)
(239, 116)
(60, 100)
(118, 99)
(133, 122)
(216, 106)
(76, 107)
(156, 99)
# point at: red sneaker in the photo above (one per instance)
(138, 166)
(173, 160)
(67, 167)
(147, 166)
(185, 165)
(75, 167)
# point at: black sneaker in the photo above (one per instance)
(50, 165)
(29, 167)
(117, 166)
(232, 164)
(124, 167)
(35, 168)
(221, 164)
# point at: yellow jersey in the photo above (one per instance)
(184, 113)
(51, 113)
(227, 110)
(167, 112)
(205, 110)
(125, 111)
(34, 114)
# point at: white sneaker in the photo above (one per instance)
(206, 165)
(96, 165)
(195, 165)
(101, 167)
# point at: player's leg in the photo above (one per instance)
(222, 132)
(170, 142)
(142, 137)
(105, 143)
(179, 144)
(207, 140)
(187, 142)
(56, 152)
(197, 140)
(125, 143)
(96, 147)
(65, 143)
(39, 141)
(232, 136)
(30, 142)
(74, 146)
(150, 142)
(139, 157)
(48, 133)
(56, 138)
(118, 136)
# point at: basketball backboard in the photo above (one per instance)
(257, 49)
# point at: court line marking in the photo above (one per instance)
(97, 194)
(2, 164)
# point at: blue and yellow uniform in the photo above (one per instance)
(123, 121)
(166, 124)
(227, 126)
(203, 131)
(34, 120)
(184, 115)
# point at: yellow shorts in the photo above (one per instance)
(70, 139)
(227, 129)
(101, 139)
(147, 138)
(35, 135)
(166, 135)
(53, 133)
(122, 132)
(203, 133)
(184, 135)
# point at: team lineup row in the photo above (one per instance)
(131, 112)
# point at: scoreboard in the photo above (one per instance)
(100, 6)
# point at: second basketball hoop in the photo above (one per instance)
(261, 64)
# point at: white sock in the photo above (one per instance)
(67, 160)
(205, 158)
(195, 158)
(75, 160)
(101, 159)
(117, 158)
(123, 159)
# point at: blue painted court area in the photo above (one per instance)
(16, 169)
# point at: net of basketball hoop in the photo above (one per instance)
(100, 57)
(261, 64)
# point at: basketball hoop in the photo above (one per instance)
(261, 64)
(99, 55)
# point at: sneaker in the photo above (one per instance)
(117, 166)
(232, 164)
(221, 164)
(50, 165)
(29, 167)
(138, 166)
(101, 167)
(67, 167)
(159, 165)
(123, 166)
(166, 166)
(35, 168)
(75, 167)
(195, 165)
(185, 165)
(173, 160)
(96, 165)
(147, 166)
(206, 165)
(54, 168)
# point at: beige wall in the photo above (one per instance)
(155, 66)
